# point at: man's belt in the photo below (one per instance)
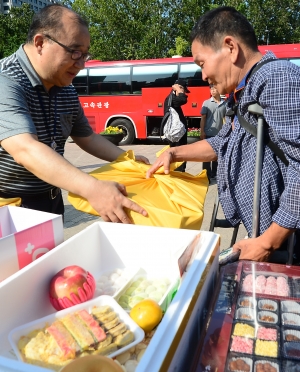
(50, 194)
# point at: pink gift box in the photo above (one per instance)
(25, 235)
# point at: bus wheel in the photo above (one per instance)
(127, 129)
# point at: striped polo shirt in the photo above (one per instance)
(26, 107)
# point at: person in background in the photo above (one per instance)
(39, 110)
(179, 98)
(212, 118)
(227, 54)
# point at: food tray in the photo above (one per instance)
(25, 329)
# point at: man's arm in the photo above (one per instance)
(107, 198)
(100, 147)
(199, 151)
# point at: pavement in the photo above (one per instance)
(76, 221)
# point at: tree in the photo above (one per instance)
(126, 29)
(274, 22)
(14, 28)
(182, 47)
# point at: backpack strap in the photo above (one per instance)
(252, 129)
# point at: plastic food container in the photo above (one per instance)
(290, 307)
(291, 335)
(112, 282)
(236, 362)
(25, 329)
(245, 314)
(143, 285)
(266, 364)
(267, 317)
(245, 301)
(290, 319)
(292, 350)
(267, 305)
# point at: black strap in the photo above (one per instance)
(170, 99)
(250, 128)
(253, 130)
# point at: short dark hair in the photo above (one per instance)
(49, 20)
(222, 21)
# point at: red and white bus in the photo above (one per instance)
(131, 94)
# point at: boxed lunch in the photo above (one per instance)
(26, 235)
(255, 320)
(96, 327)
(101, 249)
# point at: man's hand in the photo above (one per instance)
(260, 248)
(164, 160)
(109, 200)
(251, 249)
(142, 159)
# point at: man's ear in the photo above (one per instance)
(38, 42)
(232, 46)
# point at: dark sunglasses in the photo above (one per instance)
(75, 54)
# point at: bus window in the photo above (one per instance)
(80, 83)
(192, 74)
(296, 61)
(109, 80)
(159, 76)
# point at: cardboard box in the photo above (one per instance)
(100, 248)
(25, 235)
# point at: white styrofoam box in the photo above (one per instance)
(25, 235)
(99, 248)
(15, 335)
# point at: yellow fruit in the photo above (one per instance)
(147, 314)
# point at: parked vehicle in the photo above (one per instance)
(130, 94)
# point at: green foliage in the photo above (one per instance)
(13, 29)
(182, 48)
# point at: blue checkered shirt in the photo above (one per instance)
(276, 87)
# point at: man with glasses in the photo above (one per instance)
(39, 110)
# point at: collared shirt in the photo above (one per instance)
(215, 113)
(26, 107)
(276, 87)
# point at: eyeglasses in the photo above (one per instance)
(75, 54)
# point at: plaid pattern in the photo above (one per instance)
(276, 87)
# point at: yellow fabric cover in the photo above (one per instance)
(175, 200)
(10, 201)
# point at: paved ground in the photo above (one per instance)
(76, 221)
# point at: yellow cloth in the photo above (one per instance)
(175, 200)
(10, 201)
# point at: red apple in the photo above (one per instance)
(71, 286)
